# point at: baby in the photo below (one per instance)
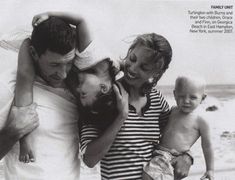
(185, 126)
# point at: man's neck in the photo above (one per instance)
(44, 82)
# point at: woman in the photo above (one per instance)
(127, 144)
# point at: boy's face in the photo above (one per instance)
(92, 82)
(54, 67)
(188, 96)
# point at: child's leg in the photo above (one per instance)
(24, 95)
(26, 149)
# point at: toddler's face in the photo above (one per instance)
(188, 96)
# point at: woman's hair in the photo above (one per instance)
(161, 49)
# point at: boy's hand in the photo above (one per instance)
(37, 19)
(208, 175)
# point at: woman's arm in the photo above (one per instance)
(103, 143)
(25, 76)
(82, 33)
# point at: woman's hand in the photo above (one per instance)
(208, 175)
(37, 19)
(181, 166)
(122, 100)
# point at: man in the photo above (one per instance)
(55, 141)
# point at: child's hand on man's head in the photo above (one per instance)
(37, 19)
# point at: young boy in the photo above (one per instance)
(185, 126)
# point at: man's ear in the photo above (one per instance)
(33, 53)
(104, 88)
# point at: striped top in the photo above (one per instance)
(134, 142)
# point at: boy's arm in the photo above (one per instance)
(82, 33)
(25, 76)
(206, 143)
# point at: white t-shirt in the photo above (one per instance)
(56, 142)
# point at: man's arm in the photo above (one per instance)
(103, 143)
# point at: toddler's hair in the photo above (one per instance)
(190, 77)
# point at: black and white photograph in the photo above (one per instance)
(117, 90)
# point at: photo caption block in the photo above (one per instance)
(217, 19)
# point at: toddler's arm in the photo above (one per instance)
(207, 148)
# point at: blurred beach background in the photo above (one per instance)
(116, 23)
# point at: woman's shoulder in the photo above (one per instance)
(155, 92)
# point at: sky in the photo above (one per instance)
(117, 22)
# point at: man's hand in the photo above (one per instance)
(181, 166)
(21, 121)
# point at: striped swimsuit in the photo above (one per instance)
(134, 143)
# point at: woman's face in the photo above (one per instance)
(139, 66)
